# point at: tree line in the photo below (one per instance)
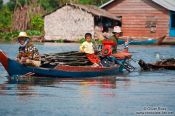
(26, 15)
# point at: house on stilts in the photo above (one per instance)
(144, 18)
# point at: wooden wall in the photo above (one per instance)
(139, 17)
(68, 23)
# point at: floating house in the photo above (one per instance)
(144, 18)
(72, 21)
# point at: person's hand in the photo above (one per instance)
(17, 59)
(97, 52)
(82, 51)
(23, 60)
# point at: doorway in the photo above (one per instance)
(172, 24)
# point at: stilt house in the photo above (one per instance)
(144, 18)
(72, 21)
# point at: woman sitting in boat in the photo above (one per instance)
(28, 53)
(88, 48)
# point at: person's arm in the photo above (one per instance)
(19, 55)
(82, 47)
(36, 55)
(33, 53)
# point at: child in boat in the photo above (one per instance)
(87, 47)
(28, 53)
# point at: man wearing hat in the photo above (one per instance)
(28, 53)
(116, 34)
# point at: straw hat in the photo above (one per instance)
(22, 34)
(117, 29)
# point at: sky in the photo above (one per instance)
(5, 1)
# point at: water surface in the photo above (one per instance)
(129, 94)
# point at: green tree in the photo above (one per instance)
(49, 5)
(6, 19)
(93, 2)
(12, 4)
(23, 2)
(1, 3)
(87, 1)
(37, 23)
(62, 2)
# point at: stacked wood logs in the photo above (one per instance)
(73, 58)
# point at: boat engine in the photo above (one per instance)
(110, 59)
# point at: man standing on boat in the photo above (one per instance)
(28, 53)
(88, 48)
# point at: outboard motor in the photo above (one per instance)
(121, 58)
(107, 47)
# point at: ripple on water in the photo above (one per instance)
(122, 95)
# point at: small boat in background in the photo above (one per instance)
(168, 41)
(149, 41)
(139, 42)
(143, 42)
(168, 64)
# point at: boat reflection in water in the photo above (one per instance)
(31, 87)
(102, 82)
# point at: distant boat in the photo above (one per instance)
(14, 69)
(139, 42)
(144, 42)
(168, 64)
(169, 41)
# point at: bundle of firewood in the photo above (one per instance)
(73, 58)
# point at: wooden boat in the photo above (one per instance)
(168, 64)
(15, 69)
(144, 42)
(140, 42)
(168, 42)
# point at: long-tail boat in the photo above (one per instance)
(71, 64)
(15, 69)
(158, 41)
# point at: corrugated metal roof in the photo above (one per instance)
(95, 11)
(106, 3)
(168, 4)
(90, 9)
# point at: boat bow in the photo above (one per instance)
(4, 59)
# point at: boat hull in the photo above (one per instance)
(17, 69)
(140, 42)
(143, 42)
